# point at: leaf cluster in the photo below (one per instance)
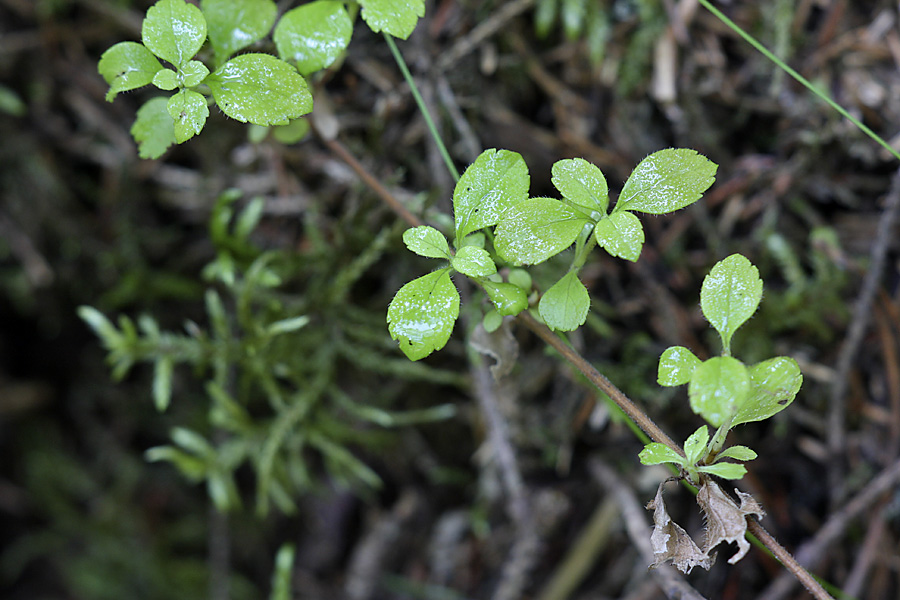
(254, 87)
(493, 193)
(723, 390)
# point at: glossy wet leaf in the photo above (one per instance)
(730, 295)
(621, 234)
(260, 89)
(718, 388)
(565, 306)
(166, 79)
(509, 299)
(581, 183)
(655, 453)
(737, 453)
(774, 385)
(174, 30)
(426, 241)
(474, 262)
(127, 66)
(314, 35)
(495, 181)
(193, 73)
(422, 314)
(235, 24)
(533, 230)
(396, 17)
(154, 129)
(725, 470)
(189, 111)
(666, 181)
(695, 445)
(676, 365)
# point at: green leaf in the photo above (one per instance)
(474, 262)
(127, 66)
(190, 466)
(422, 314)
(396, 17)
(235, 24)
(676, 365)
(314, 35)
(774, 385)
(581, 183)
(520, 277)
(283, 573)
(496, 180)
(730, 295)
(737, 453)
(509, 299)
(189, 111)
(174, 31)
(166, 79)
(533, 230)
(695, 445)
(261, 89)
(725, 470)
(193, 73)
(492, 320)
(666, 181)
(291, 133)
(426, 241)
(154, 129)
(621, 234)
(287, 325)
(655, 453)
(719, 387)
(565, 306)
(162, 382)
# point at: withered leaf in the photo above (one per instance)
(725, 520)
(671, 542)
(499, 345)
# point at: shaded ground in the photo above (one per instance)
(800, 191)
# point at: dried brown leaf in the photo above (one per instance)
(671, 542)
(725, 520)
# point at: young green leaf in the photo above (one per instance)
(496, 180)
(695, 445)
(474, 262)
(166, 79)
(235, 24)
(774, 385)
(655, 453)
(162, 382)
(189, 111)
(581, 183)
(154, 129)
(314, 35)
(174, 30)
(565, 306)
(533, 230)
(737, 453)
(193, 73)
(621, 234)
(666, 181)
(127, 66)
(492, 320)
(676, 365)
(422, 314)
(725, 470)
(426, 241)
(718, 389)
(261, 89)
(509, 299)
(520, 277)
(730, 295)
(396, 17)
(291, 133)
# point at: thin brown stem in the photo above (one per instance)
(787, 560)
(598, 379)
